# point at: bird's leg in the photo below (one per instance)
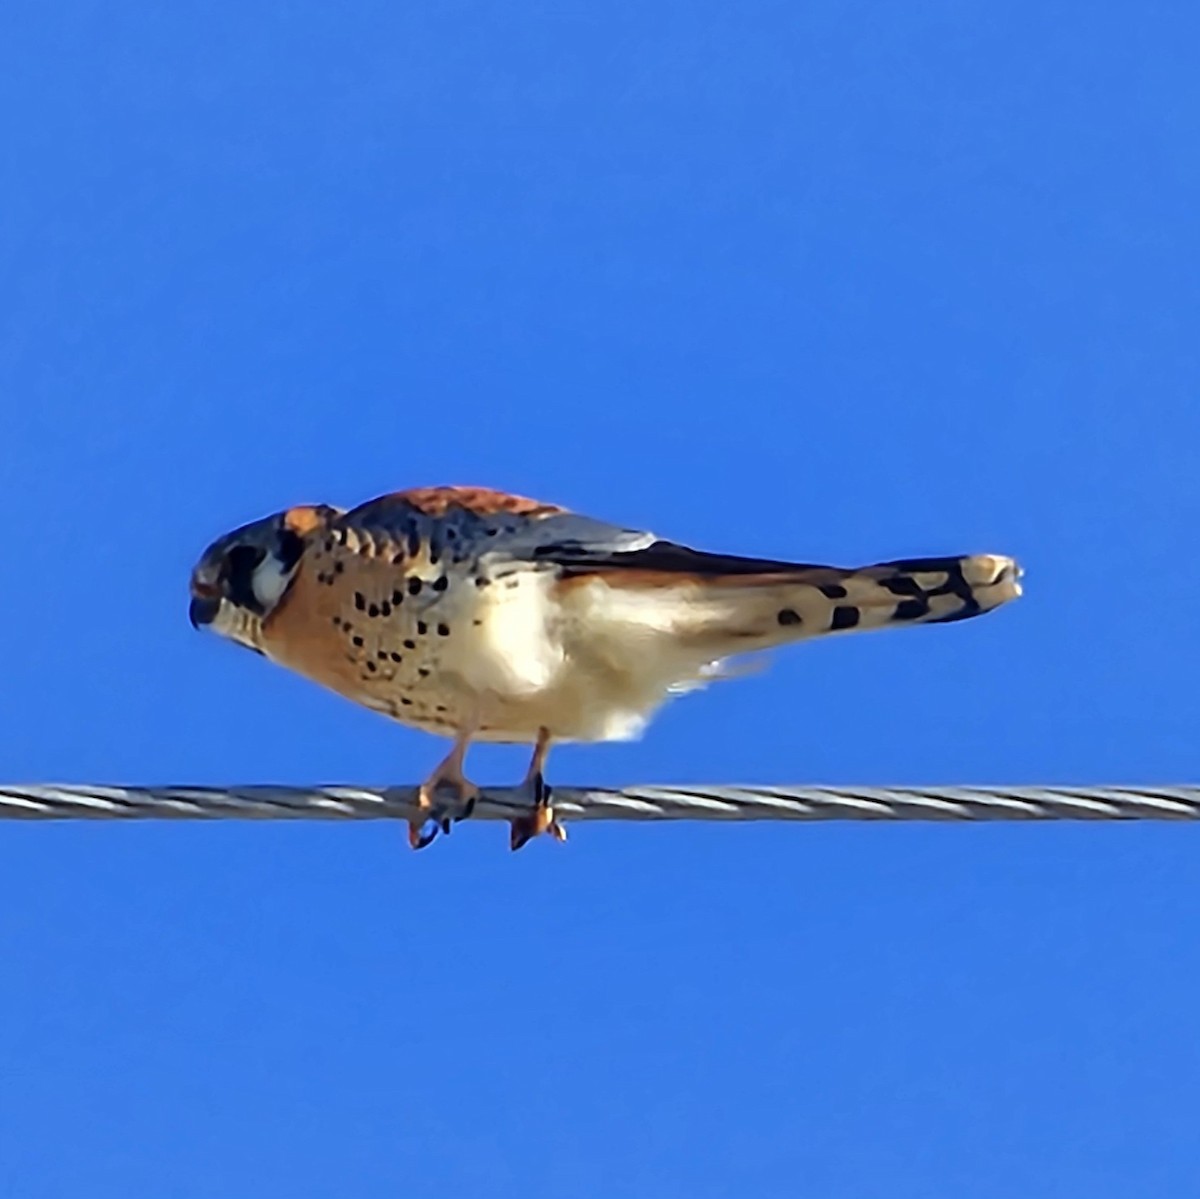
(448, 770)
(542, 818)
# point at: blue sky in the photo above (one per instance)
(838, 282)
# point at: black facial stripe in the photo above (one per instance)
(237, 574)
(291, 546)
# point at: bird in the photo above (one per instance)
(483, 616)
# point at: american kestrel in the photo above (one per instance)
(484, 616)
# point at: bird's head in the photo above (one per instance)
(242, 577)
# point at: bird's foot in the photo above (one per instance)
(437, 816)
(522, 829)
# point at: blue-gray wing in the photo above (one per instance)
(460, 524)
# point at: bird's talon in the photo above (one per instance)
(521, 833)
(541, 820)
(421, 835)
(439, 812)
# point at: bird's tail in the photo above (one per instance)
(751, 611)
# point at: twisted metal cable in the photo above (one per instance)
(688, 802)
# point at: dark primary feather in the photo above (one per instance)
(663, 556)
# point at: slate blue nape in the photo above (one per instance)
(796, 281)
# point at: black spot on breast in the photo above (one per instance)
(397, 597)
(911, 609)
(338, 567)
(443, 630)
(381, 655)
(385, 609)
(409, 643)
(399, 559)
(440, 583)
(414, 586)
(396, 657)
(371, 667)
(422, 628)
(406, 701)
(360, 601)
(329, 545)
(833, 591)
(480, 581)
(373, 610)
(423, 671)
(357, 642)
(844, 617)
(788, 616)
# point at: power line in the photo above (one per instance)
(686, 802)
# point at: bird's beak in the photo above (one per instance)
(203, 610)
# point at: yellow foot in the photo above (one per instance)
(435, 816)
(542, 819)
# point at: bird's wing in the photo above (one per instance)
(795, 599)
(461, 524)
